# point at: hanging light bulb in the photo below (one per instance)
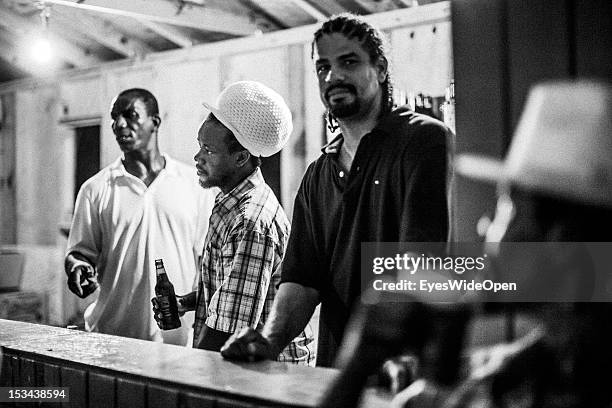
(41, 50)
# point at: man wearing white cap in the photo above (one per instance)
(248, 230)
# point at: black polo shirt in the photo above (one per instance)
(395, 191)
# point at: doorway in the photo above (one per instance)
(87, 154)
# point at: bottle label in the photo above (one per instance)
(170, 319)
(164, 304)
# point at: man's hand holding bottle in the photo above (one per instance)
(184, 304)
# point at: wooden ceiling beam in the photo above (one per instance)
(409, 3)
(169, 33)
(261, 12)
(160, 11)
(377, 6)
(351, 6)
(64, 49)
(309, 9)
(100, 31)
(330, 7)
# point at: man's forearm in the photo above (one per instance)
(293, 307)
(188, 302)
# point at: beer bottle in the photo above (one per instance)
(164, 292)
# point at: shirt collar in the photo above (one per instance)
(253, 180)
(118, 169)
(334, 146)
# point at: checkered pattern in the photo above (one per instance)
(241, 264)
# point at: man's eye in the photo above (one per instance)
(322, 68)
(349, 62)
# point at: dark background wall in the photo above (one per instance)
(501, 48)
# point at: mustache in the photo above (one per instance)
(119, 133)
(346, 87)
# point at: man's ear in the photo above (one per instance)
(382, 65)
(242, 157)
(157, 120)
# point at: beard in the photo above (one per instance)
(204, 183)
(345, 110)
(220, 180)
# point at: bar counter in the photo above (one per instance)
(110, 371)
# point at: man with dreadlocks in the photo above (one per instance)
(382, 179)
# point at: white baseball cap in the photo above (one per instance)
(562, 145)
(257, 115)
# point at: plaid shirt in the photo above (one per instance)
(241, 264)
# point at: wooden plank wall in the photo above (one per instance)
(48, 109)
(501, 48)
(8, 211)
(39, 157)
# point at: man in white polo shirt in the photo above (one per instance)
(142, 207)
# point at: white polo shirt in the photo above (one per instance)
(123, 226)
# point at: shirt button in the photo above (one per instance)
(376, 182)
(341, 174)
(358, 168)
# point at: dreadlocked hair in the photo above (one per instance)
(372, 40)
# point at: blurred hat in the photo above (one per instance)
(562, 144)
(258, 116)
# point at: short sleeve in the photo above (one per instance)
(85, 231)
(301, 264)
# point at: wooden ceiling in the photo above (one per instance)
(86, 33)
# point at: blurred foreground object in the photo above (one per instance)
(562, 145)
(555, 185)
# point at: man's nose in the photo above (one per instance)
(335, 74)
(120, 122)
